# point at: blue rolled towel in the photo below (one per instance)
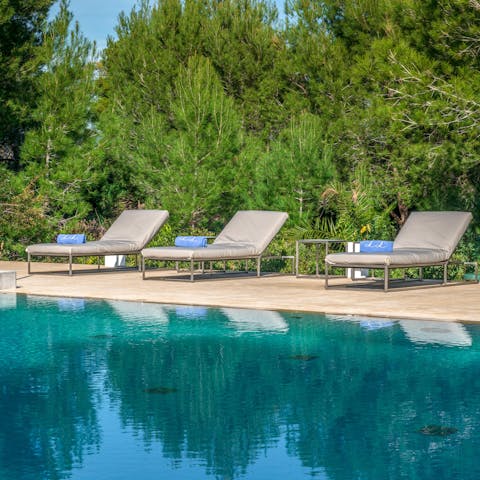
(192, 242)
(71, 238)
(376, 246)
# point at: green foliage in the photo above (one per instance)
(348, 115)
(354, 211)
(201, 150)
(295, 170)
(403, 113)
(23, 219)
(57, 149)
(21, 22)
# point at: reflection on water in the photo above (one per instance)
(245, 320)
(190, 311)
(139, 311)
(443, 333)
(71, 304)
(369, 323)
(8, 300)
(126, 390)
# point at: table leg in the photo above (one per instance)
(296, 257)
(326, 249)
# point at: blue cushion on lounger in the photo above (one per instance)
(373, 246)
(191, 242)
(71, 238)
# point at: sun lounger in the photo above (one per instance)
(426, 239)
(129, 233)
(246, 236)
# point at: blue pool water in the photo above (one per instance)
(116, 390)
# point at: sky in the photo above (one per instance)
(98, 18)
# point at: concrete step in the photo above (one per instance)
(8, 279)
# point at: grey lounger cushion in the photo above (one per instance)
(247, 235)
(427, 238)
(210, 252)
(401, 257)
(129, 233)
(252, 227)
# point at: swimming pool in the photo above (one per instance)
(120, 390)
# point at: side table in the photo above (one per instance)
(317, 242)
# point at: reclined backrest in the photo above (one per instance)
(137, 226)
(433, 230)
(253, 227)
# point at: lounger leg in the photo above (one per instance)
(176, 267)
(191, 270)
(203, 267)
(385, 278)
(224, 267)
(420, 274)
(326, 275)
(98, 263)
(143, 267)
(259, 259)
(445, 274)
(29, 271)
(70, 264)
(246, 266)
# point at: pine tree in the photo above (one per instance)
(197, 158)
(295, 171)
(402, 110)
(57, 150)
(21, 22)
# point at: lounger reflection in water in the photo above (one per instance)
(130, 232)
(140, 312)
(246, 236)
(426, 239)
(443, 333)
(246, 320)
(368, 323)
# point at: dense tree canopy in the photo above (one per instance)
(21, 24)
(347, 114)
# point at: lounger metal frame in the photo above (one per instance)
(202, 262)
(71, 255)
(386, 270)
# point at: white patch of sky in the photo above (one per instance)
(98, 18)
